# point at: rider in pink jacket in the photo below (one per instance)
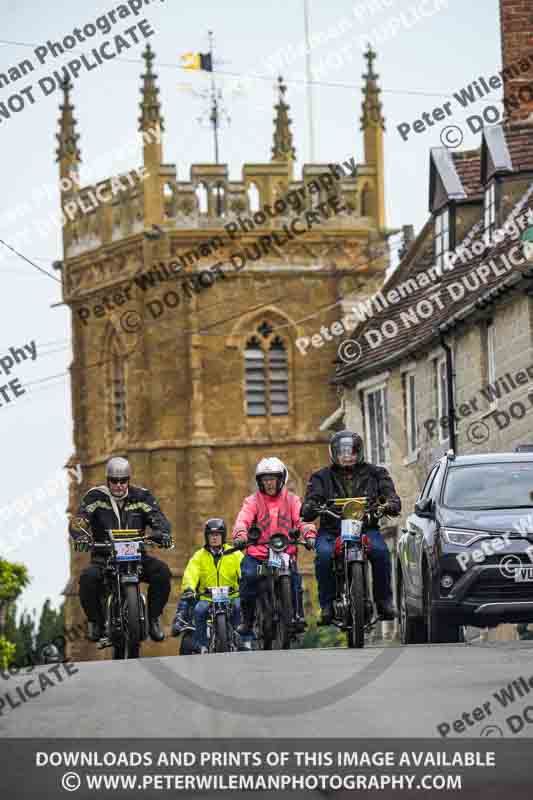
(272, 509)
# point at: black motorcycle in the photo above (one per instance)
(123, 603)
(353, 607)
(274, 619)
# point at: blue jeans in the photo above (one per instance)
(250, 580)
(200, 613)
(379, 557)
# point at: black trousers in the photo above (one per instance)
(155, 573)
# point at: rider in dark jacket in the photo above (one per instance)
(121, 506)
(350, 476)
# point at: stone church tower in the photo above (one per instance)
(195, 394)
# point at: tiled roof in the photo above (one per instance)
(468, 166)
(419, 333)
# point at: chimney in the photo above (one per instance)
(516, 23)
(408, 232)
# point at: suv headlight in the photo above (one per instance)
(461, 537)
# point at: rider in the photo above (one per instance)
(122, 506)
(208, 567)
(350, 476)
(272, 508)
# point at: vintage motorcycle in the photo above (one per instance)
(353, 607)
(123, 603)
(274, 628)
(222, 636)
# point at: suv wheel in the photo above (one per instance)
(437, 631)
(412, 631)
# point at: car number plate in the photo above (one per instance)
(351, 530)
(274, 560)
(220, 594)
(523, 575)
(127, 551)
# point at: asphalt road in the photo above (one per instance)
(377, 692)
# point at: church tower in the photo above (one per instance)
(195, 379)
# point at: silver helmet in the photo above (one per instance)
(117, 468)
(271, 467)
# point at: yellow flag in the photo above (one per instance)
(191, 61)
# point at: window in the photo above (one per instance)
(266, 374)
(441, 394)
(442, 238)
(429, 482)
(409, 405)
(490, 208)
(377, 435)
(119, 392)
(490, 356)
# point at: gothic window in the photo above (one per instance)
(219, 200)
(365, 202)
(118, 389)
(202, 195)
(490, 208)
(266, 374)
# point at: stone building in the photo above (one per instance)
(463, 283)
(197, 376)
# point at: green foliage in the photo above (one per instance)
(51, 626)
(13, 579)
(7, 651)
(327, 636)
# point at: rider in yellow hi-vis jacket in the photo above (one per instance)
(208, 567)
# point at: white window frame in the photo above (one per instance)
(410, 411)
(374, 389)
(491, 359)
(442, 238)
(489, 208)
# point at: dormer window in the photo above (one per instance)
(442, 238)
(490, 208)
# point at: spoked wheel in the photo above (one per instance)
(284, 615)
(132, 622)
(264, 622)
(113, 614)
(356, 630)
(412, 631)
(221, 634)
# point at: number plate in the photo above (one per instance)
(523, 575)
(127, 551)
(274, 560)
(351, 530)
(220, 594)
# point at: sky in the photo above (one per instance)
(421, 61)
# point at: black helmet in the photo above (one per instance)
(215, 525)
(346, 444)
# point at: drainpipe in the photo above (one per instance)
(449, 387)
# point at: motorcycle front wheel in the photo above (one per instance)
(284, 615)
(356, 629)
(221, 634)
(132, 621)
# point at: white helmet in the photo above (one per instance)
(271, 466)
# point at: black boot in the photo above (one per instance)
(95, 631)
(299, 621)
(156, 634)
(246, 628)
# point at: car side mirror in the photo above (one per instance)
(424, 507)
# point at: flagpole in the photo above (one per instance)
(214, 106)
(309, 85)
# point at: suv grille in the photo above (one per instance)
(491, 585)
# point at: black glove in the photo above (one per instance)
(309, 511)
(163, 539)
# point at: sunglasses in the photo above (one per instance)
(118, 480)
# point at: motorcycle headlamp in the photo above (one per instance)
(461, 537)
(279, 542)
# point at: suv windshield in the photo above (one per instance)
(503, 485)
